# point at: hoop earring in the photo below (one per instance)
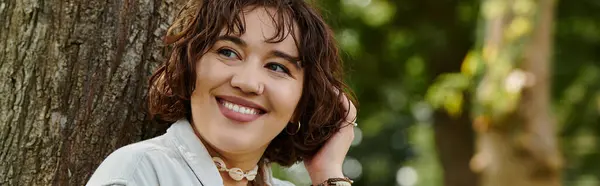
(297, 130)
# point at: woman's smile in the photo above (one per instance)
(239, 109)
(247, 88)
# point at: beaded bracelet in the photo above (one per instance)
(337, 182)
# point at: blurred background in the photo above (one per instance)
(397, 52)
(451, 92)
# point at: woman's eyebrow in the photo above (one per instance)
(290, 58)
(233, 39)
(276, 53)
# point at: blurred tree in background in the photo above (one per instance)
(507, 75)
(395, 51)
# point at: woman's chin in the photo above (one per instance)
(237, 145)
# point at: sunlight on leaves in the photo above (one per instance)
(453, 103)
(349, 41)
(517, 28)
(357, 3)
(378, 13)
(515, 81)
(524, 7)
(489, 52)
(472, 64)
(447, 92)
(493, 8)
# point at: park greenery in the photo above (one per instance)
(409, 60)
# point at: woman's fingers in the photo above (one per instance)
(349, 108)
(327, 163)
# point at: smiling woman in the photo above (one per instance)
(248, 83)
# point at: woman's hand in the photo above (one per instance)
(327, 163)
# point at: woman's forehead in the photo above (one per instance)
(263, 26)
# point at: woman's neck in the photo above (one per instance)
(244, 161)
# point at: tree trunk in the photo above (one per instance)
(454, 137)
(455, 142)
(521, 149)
(73, 80)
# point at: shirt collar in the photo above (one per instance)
(194, 153)
(196, 156)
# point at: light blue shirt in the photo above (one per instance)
(175, 158)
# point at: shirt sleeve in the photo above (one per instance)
(127, 166)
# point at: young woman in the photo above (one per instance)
(248, 83)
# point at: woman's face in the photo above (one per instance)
(246, 88)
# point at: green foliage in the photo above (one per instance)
(506, 27)
(576, 77)
(392, 51)
(447, 92)
(395, 51)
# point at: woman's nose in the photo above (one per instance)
(247, 78)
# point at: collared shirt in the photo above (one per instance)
(175, 158)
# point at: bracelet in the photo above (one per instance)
(337, 182)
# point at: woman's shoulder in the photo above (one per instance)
(158, 144)
(135, 152)
(132, 163)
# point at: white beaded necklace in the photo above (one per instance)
(235, 173)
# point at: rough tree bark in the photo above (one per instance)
(73, 78)
(521, 149)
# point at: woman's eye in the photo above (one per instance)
(227, 53)
(277, 68)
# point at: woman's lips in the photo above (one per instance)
(238, 112)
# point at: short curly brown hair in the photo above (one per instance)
(195, 31)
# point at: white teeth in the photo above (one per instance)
(238, 108)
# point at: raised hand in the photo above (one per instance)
(327, 163)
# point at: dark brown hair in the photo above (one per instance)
(194, 33)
